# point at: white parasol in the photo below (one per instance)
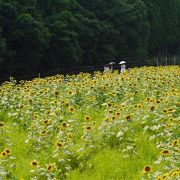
(112, 63)
(122, 62)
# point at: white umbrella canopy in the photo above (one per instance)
(112, 63)
(122, 62)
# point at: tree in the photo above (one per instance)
(64, 47)
(38, 35)
(2, 49)
(29, 39)
(163, 17)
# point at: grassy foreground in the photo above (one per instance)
(104, 127)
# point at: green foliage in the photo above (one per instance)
(2, 43)
(112, 164)
(163, 17)
(29, 39)
(44, 35)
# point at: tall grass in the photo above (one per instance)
(111, 163)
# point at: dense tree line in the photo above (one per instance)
(39, 35)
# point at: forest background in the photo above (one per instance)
(45, 35)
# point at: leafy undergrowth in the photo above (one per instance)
(105, 126)
(111, 163)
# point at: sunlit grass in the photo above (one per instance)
(111, 163)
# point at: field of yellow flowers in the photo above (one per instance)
(101, 126)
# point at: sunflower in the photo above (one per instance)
(158, 101)
(164, 110)
(1, 124)
(159, 177)
(59, 144)
(87, 118)
(169, 125)
(113, 93)
(165, 94)
(113, 117)
(56, 93)
(34, 163)
(4, 154)
(152, 108)
(27, 90)
(117, 114)
(171, 119)
(62, 102)
(110, 111)
(44, 132)
(46, 122)
(50, 167)
(170, 110)
(70, 92)
(175, 142)
(61, 128)
(64, 125)
(165, 152)
(148, 99)
(7, 151)
(35, 116)
(151, 100)
(88, 128)
(55, 102)
(70, 135)
(71, 109)
(21, 106)
(109, 104)
(30, 101)
(147, 169)
(164, 176)
(174, 172)
(41, 92)
(18, 88)
(107, 119)
(66, 104)
(128, 117)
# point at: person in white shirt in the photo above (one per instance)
(106, 68)
(111, 64)
(123, 66)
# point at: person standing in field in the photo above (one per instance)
(123, 66)
(111, 64)
(106, 68)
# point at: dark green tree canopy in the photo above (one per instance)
(42, 35)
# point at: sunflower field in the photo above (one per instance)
(102, 126)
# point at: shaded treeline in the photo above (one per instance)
(40, 35)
